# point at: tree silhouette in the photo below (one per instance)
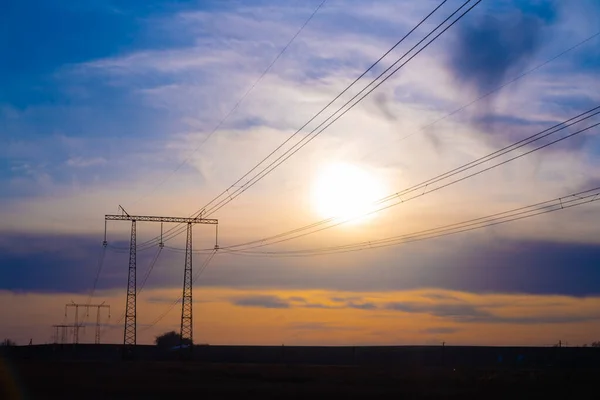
(7, 342)
(170, 339)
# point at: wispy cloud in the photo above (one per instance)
(80, 162)
(469, 313)
(261, 301)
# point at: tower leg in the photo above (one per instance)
(129, 336)
(97, 341)
(186, 303)
(76, 329)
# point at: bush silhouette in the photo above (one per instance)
(170, 339)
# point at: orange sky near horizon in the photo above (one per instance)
(316, 317)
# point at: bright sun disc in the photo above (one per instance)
(346, 191)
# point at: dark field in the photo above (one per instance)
(96, 372)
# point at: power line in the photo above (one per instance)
(177, 301)
(557, 204)
(99, 266)
(498, 88)
(314, 133)
(250, 183)
(179, 231)
(150, 268)
(424, 185)
(238, 103)
(425, 191)
(518, 77)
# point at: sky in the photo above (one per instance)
(108, 103)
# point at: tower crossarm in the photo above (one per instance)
(150, 218)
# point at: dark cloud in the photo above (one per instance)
(493, 49)
(261, 301)
(321, 305)
(465, 264)
(344, 299)
(439, 296)
(297, 298)
(543, 319)
(431, 135)
(361, 306)
(488, 49)
(470, 263)
(383, 104)
(268, 301)
(463, 312)
(454, 310)
(69, 263)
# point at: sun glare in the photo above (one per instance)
(346, 191)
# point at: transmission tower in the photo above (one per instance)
(63, 332)
(129, 335)
(186, 299)
(76, 323)
(98, 307)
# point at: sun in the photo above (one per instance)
(346, 191)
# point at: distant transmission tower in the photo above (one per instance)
(129, 334)
(77, 325)
(64, 330)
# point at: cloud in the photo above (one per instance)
(344, 299)
(488, 49)
(85, 162)
(439, 330)
(383, 102)
(322, 306)
(464, 312)
(261, 301)
(67, 262)
(297, 302)
(439, 296)
(460, 311)
(170, 300)
(297, 298)
(362, 306)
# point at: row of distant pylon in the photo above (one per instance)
(62, 332)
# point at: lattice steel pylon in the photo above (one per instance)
(76, 324)
(129, 334)
(98, 330)
(129, 337)
(187, 325)
(63, 332)
(87, 307)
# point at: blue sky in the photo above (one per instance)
(100, 103)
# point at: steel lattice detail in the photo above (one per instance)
(130, 307)
(147, 218)
(186, 302)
